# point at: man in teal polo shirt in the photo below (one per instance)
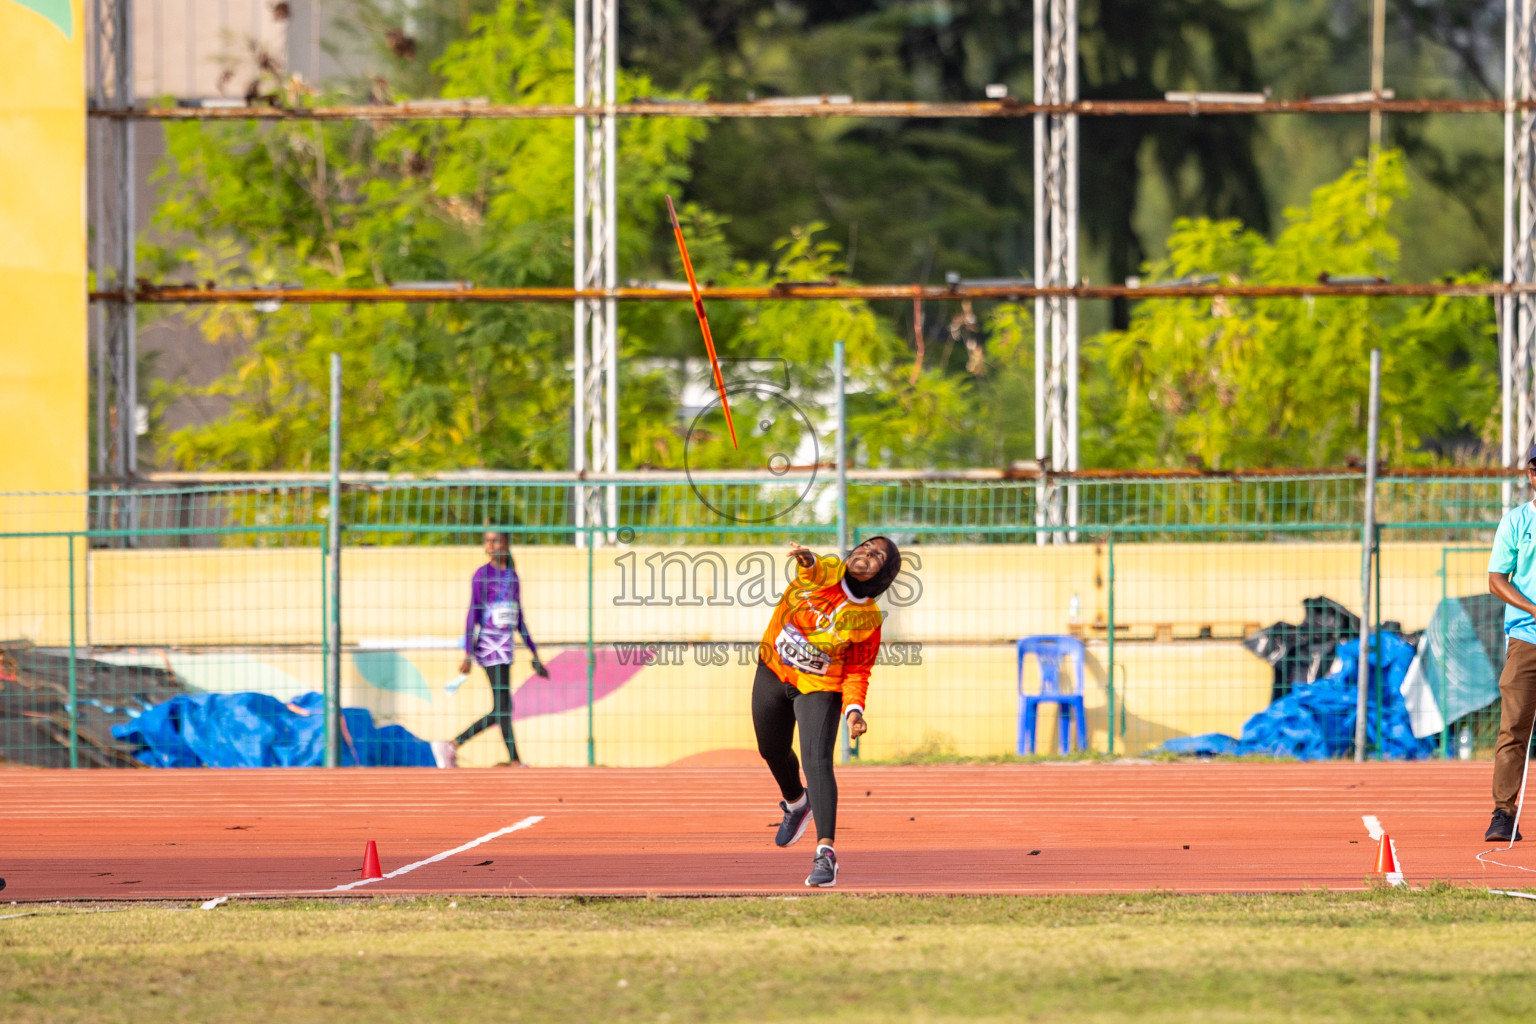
(1511, 576)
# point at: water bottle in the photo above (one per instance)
(1464, 744)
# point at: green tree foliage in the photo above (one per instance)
(912, 199)
(448, 384)
(1281, 382)
(370, 204)
(1452, 221)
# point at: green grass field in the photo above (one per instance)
(1386, 955)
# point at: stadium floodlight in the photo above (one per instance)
(660, 286)
(997, 91)
(444, 104)
(272, 305)
(1355, 97)
(1187, 281)
(431, 286)
(1327, 278)
(803, 101)
(960, 284)
(1217, 97)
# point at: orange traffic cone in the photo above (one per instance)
(1386, 864)
(371, 861)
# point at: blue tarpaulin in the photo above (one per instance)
(253, 730)
(1316, 721)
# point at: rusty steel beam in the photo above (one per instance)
(1018, 472)
(813, 292)
(982, 109)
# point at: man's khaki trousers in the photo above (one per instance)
(1517, 694)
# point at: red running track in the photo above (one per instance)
(945, 829)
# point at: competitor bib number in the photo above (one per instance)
(503, 614)
(800, 653)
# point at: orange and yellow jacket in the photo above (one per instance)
(821, 637)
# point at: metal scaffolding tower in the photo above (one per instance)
(1517, 322)
(596, 444)
(1055, 58)
(112, 254)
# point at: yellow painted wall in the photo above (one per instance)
(43, 399)
(42, 254)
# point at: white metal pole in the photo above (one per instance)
(579, 256)
(130, 258)
(840, 383)
(314, 42)
(611, 255)
(845, 745)
(1367, 545)
(1523, 327)
(1070, 230)
(1378, 58)
(1507, 326)
(100, 137)
(1042, 435)
(333, 614)
(128, 382)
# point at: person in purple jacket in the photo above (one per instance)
(495, 613)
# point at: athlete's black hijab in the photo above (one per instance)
(880, 581)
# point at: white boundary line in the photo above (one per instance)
(1514, 831)
(528, 822)
(1511, 892)
(1374, 829)
(1525, 774)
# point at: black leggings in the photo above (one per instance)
(501, 709)
(776, 708)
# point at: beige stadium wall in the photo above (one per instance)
(965, 605)
(968, 594)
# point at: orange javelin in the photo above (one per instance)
(698, 307)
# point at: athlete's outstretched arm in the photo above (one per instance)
(815, 571)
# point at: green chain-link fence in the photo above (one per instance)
(116, 602)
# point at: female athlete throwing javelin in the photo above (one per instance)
(812, 671)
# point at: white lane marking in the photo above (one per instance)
(528, 822)
(1511, 892)
(1375, 831)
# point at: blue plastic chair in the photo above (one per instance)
(1048, 651)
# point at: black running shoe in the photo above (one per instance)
(1500, 828)
(793, 825)
(823, 868)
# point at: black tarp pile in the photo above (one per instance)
(34, 706)
(1302, 653)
